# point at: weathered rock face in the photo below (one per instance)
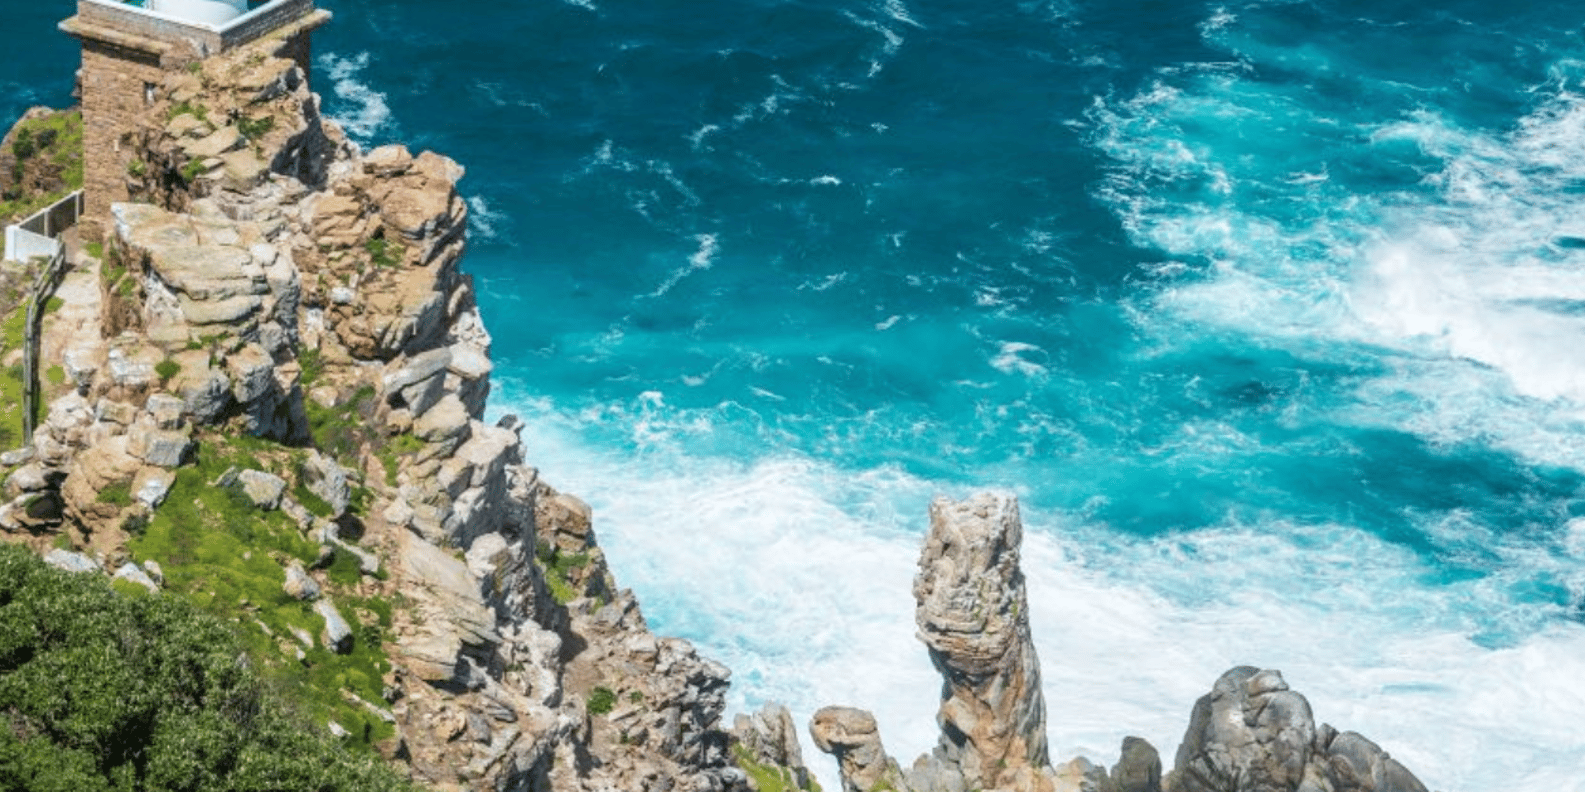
(973, 615)
(273, 264)
(852, 737)
(1252, 734)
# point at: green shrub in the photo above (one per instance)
(105, 691)
(166, 369)
(601, 700)
(253, 128)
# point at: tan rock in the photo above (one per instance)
(973, 615)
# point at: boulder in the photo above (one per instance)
(69, 561)
(327, 479)
(265, 490)
(337, 634)
(298, 584)
(133, 573)
(852, 737)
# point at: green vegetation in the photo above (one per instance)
(255, 128)
(166, 369)
(13, 315)
(341, 430)
(105, 691)
(399, 446)
(227, 557)
(55, 140)
(196, 111)
(136, 169)
(601, 701)
(559, 568)
(192, 170)
(95, 249)
(383, 253)
(313, 367)
(770, 778)
(117, 494)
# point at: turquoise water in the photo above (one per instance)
(1271, 313)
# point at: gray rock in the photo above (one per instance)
(417, 368)
(166, 410)
(156, 572)
(1253, 734)
(1138, 767)
(206, 393)
(155, 487)
(338, 634)
(446, 421)
(252, 372)
(264, 489)
(327, 479)
(71, 562)
(161, 447)
(770, 738)
(298, 584)
(17, 456)
(134, 573)
(32, 477)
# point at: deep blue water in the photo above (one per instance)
(1272, 313)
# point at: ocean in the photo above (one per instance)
(1271, 313)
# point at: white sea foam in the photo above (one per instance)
(483, 222)
(367, 114)
(1014, 357)
(797, 575)
(702, 259)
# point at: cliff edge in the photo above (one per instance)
(267, 396)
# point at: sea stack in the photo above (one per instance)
(973, 616)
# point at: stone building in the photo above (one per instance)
(128, 47)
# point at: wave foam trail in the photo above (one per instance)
(366, 112)
(797, 574)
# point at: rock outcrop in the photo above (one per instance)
(973, 616)
(282, 300)
(1250, 734)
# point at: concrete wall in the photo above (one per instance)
(22, 244)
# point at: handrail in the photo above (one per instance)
(38, 302)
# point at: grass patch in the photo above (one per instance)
(57, 137)
(399, 446)
(254, 128)
(196, 111)
(192, 170)
(228, 558)
(313, 366)
(117, 494)
(383, 253)
(342, 430)
(770, 778)
(559, 568)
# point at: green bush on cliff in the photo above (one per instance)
(104, 691)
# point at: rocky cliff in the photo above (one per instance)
(271, 391)
(271, 398)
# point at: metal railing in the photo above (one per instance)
(38, 303)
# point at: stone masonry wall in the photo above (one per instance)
(114, 98)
